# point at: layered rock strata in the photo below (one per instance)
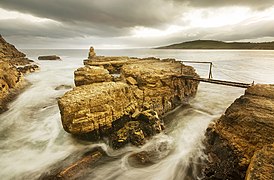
(10, 54)
(12, 64)
(243, 138)
(122, 97)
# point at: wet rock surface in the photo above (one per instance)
(13, 64)
(243, 138)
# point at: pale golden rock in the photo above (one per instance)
(91, 107)
(142, 84)
(131, 81)
(158, 85)
(91, 74)
(10, 80)
(10, 54)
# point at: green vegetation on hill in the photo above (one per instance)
(211, 44)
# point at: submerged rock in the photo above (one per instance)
(12, 64)
(125, 110)
(49, 57)
(243, 137)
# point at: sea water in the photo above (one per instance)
(32, 139)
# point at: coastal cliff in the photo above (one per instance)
(240, 145)
(123, 98)
(13, 64)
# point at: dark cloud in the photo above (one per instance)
(74, 22)
(118, 13)
(254, 4)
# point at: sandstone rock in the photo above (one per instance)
(12, 64)
(143, 89)
(246, 127)
(49, 57)
(262, 164)
(10, 80)
(94, 107)
(131, 81)
(158, 87)
(91, 53)
(91, 74)
(112, 64)
(10, 54)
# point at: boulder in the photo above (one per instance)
(246, 128)
(94, 107)
(49, 57)
(91, 74)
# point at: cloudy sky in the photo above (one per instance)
(133, 23)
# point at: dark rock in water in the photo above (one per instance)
(62, 87)
(49, 57)
(28, 68)
(243, 137)
(131, 132)
(70, 168)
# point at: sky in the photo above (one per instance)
(131, 23)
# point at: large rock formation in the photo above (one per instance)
(243, 138)
(122, 97)
(12, 64)
(10, 54)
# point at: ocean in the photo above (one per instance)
(32, 139)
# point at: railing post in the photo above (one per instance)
(210, 71)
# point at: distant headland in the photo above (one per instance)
(212, 44)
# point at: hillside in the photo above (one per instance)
(211, 44)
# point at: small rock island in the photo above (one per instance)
(123, 98)
(49, 57)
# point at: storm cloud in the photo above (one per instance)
(118, 22)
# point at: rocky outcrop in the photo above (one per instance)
(122, 97)
(10, 54)
(243, 138)
(49, 57)
(10, 81)
(12, 64)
